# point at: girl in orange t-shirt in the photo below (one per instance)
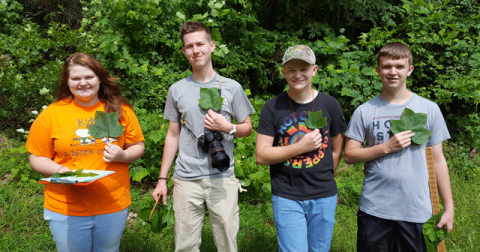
(92, 217)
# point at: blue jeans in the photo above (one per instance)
(87, 233)
(304, 225)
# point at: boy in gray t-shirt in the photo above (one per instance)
(199, 184)
(395, 200)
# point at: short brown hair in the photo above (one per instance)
(395, 50)
(193, 26)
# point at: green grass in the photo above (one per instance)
(22, 227)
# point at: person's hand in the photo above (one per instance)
(400, 141)
(311, 141)
(446, 221)
(113, 153)
(160, 191)
(63, 169)
(217, 122)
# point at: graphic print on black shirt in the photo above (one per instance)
(290, 135)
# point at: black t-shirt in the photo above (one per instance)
(310, 175)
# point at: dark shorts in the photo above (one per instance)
(381, 235)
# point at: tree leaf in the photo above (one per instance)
(315, 120)
(412, 121)
(138, 173)
(106, 125)
(433, 236)
(161, 217)
(210, 98)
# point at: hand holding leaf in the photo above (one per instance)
(433, 236)
(412, 121)
(210, 98)
(106, 125)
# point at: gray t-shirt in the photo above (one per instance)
(182, 103)
(396, 186)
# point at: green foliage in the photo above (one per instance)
(464, 165)
(106, 125)
(21, 170)
(139, 42)
(154, 128)
(433, 236)
(349, 183)
(311, 20)
(161, 217)
(210, 99)
(315, 120)
(415, 122)
(255, 176)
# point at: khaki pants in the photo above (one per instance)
(220, 195)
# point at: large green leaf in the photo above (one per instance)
(412, 121)
(433, 236)
(210, 98)
(161, 217)
(106, 125)
(315, 120)
(137, 173)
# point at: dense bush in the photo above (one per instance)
(138, 41)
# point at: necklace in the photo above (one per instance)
(291, 108)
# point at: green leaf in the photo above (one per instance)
(412, 121)
(77, 174)
(209, 98)
(106, 125)
(138, 173)
(315, 120)
(161, 217)
(433, 236)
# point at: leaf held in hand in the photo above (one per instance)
(412, 121)
(433, 236)
(106, 125)
(210, 98)
(315, 120)
(161, 217)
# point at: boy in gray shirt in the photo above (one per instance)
(198, 182)
(395, 200)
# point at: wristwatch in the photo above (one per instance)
(233, 131)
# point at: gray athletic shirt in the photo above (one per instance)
(182, 103)
(395, 186)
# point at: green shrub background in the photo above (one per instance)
(138, 42)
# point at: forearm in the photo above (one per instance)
(244, 128)
(45, 166)
(337, 147)
(360, 155)
(169, 152)
(444, 187)
(276, 154)
(133, 152)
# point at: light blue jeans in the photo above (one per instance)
(304, 226)
(96, 233)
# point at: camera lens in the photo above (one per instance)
(220, 159)
(211, 142)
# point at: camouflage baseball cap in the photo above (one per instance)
(301, 52)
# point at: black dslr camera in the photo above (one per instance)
(211, 142)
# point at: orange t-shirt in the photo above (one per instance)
(60, 133)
